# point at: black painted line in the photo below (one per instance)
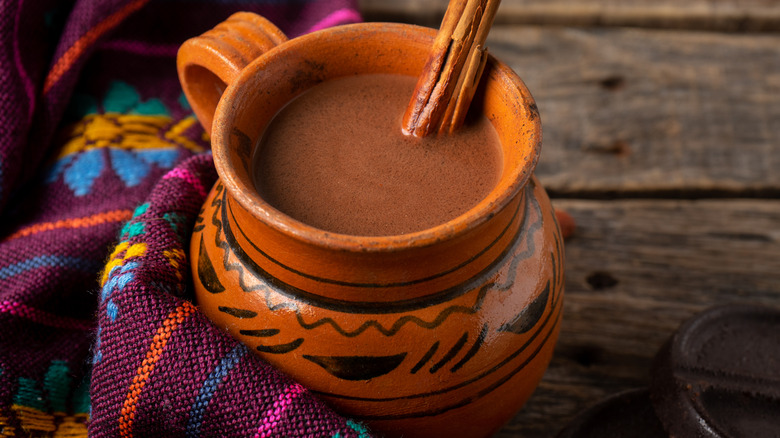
(206, 274)
(280, 349)
(357, 368)
(228, 230)
(481, 376)
(530, 315)
(400, 322)
(451, 354)
(217, 219)
(237, 313)
(263, 333)
(497, 265)
(370, 307)
(558, 270)
(468, 400)
(473, 350)
(426, 357)
(555, 303)
(559, 266)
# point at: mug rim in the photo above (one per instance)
(249, 199)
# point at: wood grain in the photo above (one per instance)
(635, 270)
(721, 15)
(663, 146)
(635, 112)
(649, 113)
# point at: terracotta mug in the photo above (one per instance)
(441, 332)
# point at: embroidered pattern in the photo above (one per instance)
(119, 271)
(130, 136)
(42, 407)
(176, 258)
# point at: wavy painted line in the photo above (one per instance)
(516, 259)
(396, 327)
(465, 401)
(230, 237)
(491, 286)
(218, 205)
(554, 317)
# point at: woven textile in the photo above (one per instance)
(103, 170)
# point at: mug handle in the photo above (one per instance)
(207, 64)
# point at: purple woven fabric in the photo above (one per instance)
(103, 170)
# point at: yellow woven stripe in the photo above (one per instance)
(138, 249)
(72, 426)
(128, 131)
(175, 134)
(5, 428)
(175, 257)
(33, 419)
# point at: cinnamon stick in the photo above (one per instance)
(451, 73)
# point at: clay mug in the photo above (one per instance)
(441, 332)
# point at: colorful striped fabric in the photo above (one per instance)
(103, 170)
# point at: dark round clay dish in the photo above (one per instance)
(627, 414)
(719, 375)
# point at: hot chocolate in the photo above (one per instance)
(335, 158)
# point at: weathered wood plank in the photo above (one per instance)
(635, 270)
(634, 112)
(722, 15)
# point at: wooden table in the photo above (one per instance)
(661, 126)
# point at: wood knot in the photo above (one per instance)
(600, 280)
(613, 82)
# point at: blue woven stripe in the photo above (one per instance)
(210, 386)
(359, 428)
(49, 261)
